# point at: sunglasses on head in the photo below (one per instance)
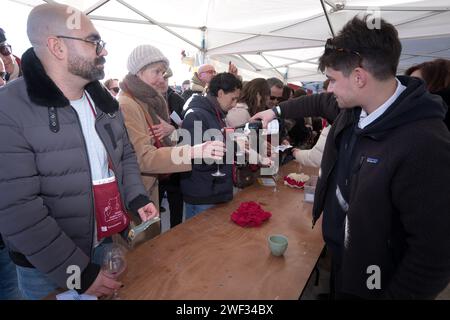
(330, 46)
(5, 49)
(115, 89)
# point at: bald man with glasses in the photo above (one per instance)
(61, 138)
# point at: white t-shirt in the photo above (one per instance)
(98, 157)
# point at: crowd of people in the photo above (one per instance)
(381, 141)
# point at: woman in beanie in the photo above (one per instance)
(147, 120)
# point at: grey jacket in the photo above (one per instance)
(46, 204)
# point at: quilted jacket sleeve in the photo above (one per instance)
(25, 223)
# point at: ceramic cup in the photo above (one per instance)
(278, 244)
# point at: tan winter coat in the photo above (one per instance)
(152, 161)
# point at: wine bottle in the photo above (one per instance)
(272, 127)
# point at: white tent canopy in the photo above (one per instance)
(281, 38)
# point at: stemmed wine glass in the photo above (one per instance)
(275, 177)
(241, 140)
(114, 263)
(218, 173)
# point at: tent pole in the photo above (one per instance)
(249, 63)
(328, 18)
(203, 45)
(125, 4)
(270, 64)
(95, 6)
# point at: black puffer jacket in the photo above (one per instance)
(398, 217)
(199, 186)
(46, 204)
(175, 102)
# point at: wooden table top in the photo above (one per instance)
(211, 257)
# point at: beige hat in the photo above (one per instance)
(144, 55)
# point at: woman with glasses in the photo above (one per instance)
(148, 124)
(2, 74)
(11, 62)
(113, 86)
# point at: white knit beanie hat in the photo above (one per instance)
(144, 55)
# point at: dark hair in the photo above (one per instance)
(436, 74)
(275, 82)
(249, 94)
(109, 81)
(413, 68)
(299, 92)
(287, 92)
(225, 81)
(375, 49)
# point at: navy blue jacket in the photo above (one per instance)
(199, 186)
(398, 193)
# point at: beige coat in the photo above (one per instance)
(238, 115)
(152, 161)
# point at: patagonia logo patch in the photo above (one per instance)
(372, 160)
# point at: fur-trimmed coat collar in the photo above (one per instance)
(197, 84)
(44, 92)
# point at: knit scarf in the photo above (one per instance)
(153, 102)
(196, 84)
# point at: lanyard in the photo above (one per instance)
(219, 118)
(90, 105)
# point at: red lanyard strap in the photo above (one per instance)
(90, 105)
(221, 122)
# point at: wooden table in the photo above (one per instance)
(211, 257)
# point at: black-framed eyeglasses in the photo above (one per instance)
(5, 49)
(330, 46)
(99, 44)
(213, 72)
(275, 98)
(3, 75)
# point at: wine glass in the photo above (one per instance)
(275, 178)
(114, 263)
(218, 173)
(241, 142)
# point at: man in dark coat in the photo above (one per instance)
(383, 186)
